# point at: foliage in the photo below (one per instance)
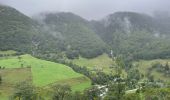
(79, 38)
(61, 92)
(67, 32)
(93, 93)
(134, 35)
(24, 91)
(137, 36)
(116, 88)
(133, 76)
(165, 69)
(132, 96)
(153, 69)
(157, 94)
(116, 91)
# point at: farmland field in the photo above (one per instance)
(102, 62)
(42, 73)
(10, 77)
(144, 65)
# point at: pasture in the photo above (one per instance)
(41, 73)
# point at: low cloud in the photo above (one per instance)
(89, 9)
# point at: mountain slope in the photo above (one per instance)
(20, 33)
(56, 33)
(75, 31)
(16, 30)
(41, 73)
(134, 35)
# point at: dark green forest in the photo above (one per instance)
(138, 36)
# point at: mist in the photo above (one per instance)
(89, 9)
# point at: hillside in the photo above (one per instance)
(76, 33)
(135, 35)
(20, 33)
(60, 55)
(100, 63)
(41, 69)
(52, 33)
(42, 73)
(152, 68)
(16, 30)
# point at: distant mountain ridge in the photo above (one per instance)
(76, 32)
(132, 34)
(56, 33)
(13, 25)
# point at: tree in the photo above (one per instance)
(78, 96)
(151, 78)
(61, 92)
(92, 93)
(133, 76)
(117, 87)
(24, 91)
(19, 58)
(72, 54)
(116, 91)
(132, 96)
(119, 65)
(167, 67)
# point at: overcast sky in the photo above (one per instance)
(89, 9)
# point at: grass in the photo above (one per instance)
(44, 72)
(10, 77)
(80, 87)
(102, 62)
(144, 65)
(9, 52)
(75, 83)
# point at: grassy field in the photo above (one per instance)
(102, 62)
(144, 65)
(43, 73)
(10, 77)
(9, 52)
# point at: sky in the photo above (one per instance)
(89, 9)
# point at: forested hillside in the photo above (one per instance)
(56, 33)
(76, 33)
(16, 30)
(138, 36)
(20, 33)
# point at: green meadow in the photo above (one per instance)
(144, 65)
(41, 73)
(102, 62)
(9, 52)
